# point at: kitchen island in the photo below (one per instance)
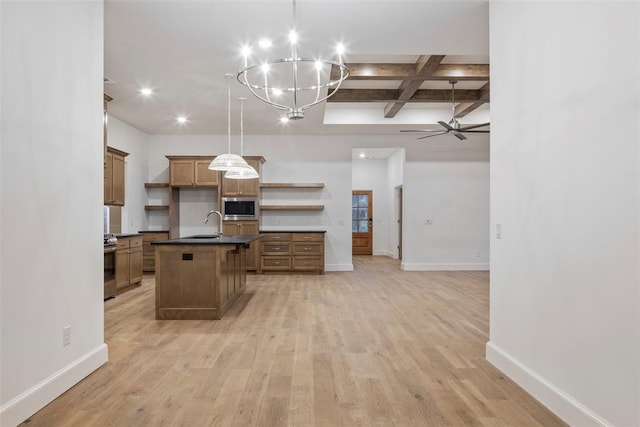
(200, 277)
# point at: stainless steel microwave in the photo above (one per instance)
(239, 208)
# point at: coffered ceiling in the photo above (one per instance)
(401, 55)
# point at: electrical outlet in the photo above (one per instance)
(66, 335)
(428, 221)
(498, 231)
(478, 254)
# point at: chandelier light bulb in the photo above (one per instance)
(265, 68)
(319, 65)
(264, 43)
(276, 91)
(293, 37)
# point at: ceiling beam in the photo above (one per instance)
(465, 108)
(358, 71)
(393, 95)
(425, 66)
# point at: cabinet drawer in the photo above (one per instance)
(148, 264)
(276, 248)
(135, 242)
(152, 237)
(275, 263)
(301, 248)
(307, 263)
(276, 237)
(122, 244)
(308, 237)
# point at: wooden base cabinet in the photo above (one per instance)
(149, 251)
(236, 228)
(295, 252)
(128, 262)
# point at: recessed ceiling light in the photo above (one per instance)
(284, 119)
(146, 91)
(181, 120)
(362, 156)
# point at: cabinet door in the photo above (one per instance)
(250, 187)
(181, 173)
(122, 268)
(108, 178)
(205, 177)
(118, 180)
(135, 265)
(230, 187)
(236, 228)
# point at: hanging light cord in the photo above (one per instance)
(229, 115)
(241, 126)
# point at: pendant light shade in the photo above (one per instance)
(247, 171)
(226, 162)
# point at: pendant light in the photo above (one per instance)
(243, 172)
(226, 162)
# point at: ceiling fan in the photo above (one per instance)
(453, 127)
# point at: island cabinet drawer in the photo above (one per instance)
(276, 237)
(271, 263)
(276, 248)
(301, 263)
(308, 237)
(304, 248)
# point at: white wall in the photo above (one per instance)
(124, 137)
(446, 208)
(565, 167)
(373, 175)
(395, 178)
(51, 176)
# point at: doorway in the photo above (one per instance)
(362, 222)
(398, 211)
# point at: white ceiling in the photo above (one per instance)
(182, 49)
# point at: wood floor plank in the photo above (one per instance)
(376, 346)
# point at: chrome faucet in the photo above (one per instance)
(206, 219)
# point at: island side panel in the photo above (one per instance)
(186, 282)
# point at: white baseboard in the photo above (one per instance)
(31, 401)
(561, 404)
(338, 267)
(383, 253)
(480, 266)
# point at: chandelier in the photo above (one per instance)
(226, 162)
(247, 171)
(292, 84)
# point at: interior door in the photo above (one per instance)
(361, 222)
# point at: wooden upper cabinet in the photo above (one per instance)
(205, 176)
(244, 187)
(114, 189)
(190, 171)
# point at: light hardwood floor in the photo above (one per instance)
(377, 346)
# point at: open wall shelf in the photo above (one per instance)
(156, 207)
(156, 185)
(291, 207)
(291, 185)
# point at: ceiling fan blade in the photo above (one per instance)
(460, 136)
(445, 125)
(462, 129)
(476, 131)
(420, 130)
(434, 134)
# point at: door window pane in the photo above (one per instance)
(363, 226)
(362, 213)
(354, 226)
(354, 213)
(354, 201)
(363, 200)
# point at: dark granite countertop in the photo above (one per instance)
(153, 231)
(125, 235)
(204, 239)
(293, 231)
